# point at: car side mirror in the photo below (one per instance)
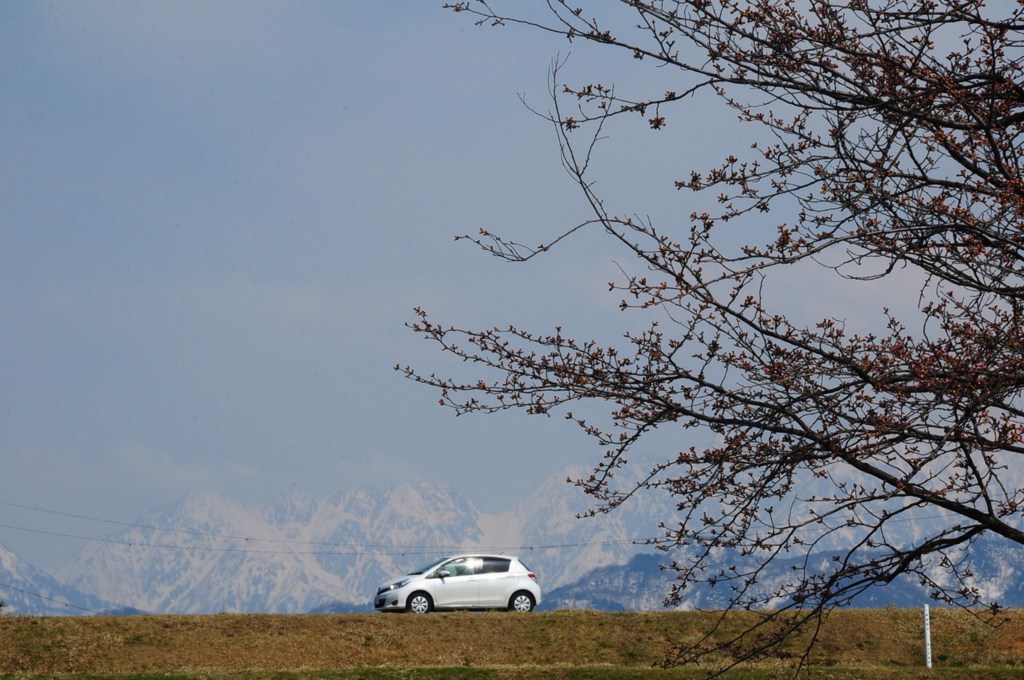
(444, 573)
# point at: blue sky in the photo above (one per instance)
(218, 216)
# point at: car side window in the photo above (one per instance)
(495, 565)
(464, 566)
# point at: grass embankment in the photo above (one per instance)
(854, 644)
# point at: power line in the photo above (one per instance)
(135, 525)
(349, 549)
(48, 599)
(352, 549)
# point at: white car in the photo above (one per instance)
(462, 582)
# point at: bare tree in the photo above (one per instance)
(895, 130)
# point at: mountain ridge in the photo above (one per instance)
(298, 554)
(206, 553)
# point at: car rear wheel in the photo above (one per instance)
(419, 603)
(521, 602)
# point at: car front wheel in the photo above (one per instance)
(419, 603)
(521, 602)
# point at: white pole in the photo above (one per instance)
(927, 639)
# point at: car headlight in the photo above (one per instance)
(400, 584)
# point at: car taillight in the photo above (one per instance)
(532, 575)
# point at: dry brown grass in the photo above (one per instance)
(856, 643)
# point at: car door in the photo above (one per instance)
(456, 584)
(495, 582)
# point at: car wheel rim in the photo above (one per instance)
(419, 605)
(522, 604)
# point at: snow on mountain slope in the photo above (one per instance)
(27, 590)
(205, 554)
(567, 546)
(371, 535)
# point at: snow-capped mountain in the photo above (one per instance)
(298, 554)
(27, 590)
(641, 584)
(205, 554)
(208, 554)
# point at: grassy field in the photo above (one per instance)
(885, 643)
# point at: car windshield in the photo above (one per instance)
(425, 569)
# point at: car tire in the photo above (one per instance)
(521, 601)
(419, 603)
